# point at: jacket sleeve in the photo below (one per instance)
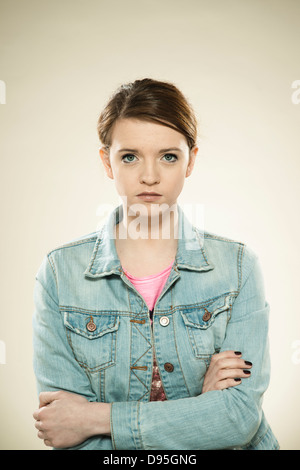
(219, 419)
(54, 364)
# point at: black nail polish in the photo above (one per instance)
(238, 353)
(237, 380)
(248, 363)
(247, 372)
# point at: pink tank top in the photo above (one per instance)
(150, 288)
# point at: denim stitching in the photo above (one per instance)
(95, 254)
(138, 426)
(71, 244)
(112, 428)
(51, 262)
(147, 388)
(239, 263)
(205, 303)
(248, 273)
(131, 371)
(219, 237)
(201, 248)
(130, 345)
(174, 332)
(146, 339)
(96, 313)
(135, 430)
(96, 334)
(83, 364)
(138, 359)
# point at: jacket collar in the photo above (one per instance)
(190, 250)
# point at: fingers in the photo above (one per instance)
(47, 397)
(233, 364)
(229, 368)
(42, 432)
(223, 374)
(227, 383)
(43, 435)
(39, 426)
(38, 413)
(230, 360)
(226, 369)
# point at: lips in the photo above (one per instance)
(149, 194)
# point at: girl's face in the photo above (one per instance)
(147, 157)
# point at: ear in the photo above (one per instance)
(192, 158)
(104, 155)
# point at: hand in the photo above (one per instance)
(225, 370)
(66, 419)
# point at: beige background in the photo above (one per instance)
(236, 62)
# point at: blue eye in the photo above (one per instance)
(127, 155)
(172, 155)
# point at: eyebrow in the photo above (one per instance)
(160, 151)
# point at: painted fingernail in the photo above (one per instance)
(237, 380)
(238, 353)
(247, 372)
(248, 363)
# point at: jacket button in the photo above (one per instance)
(164, 321)
(91, 326)
(169, 367)
(206, 316)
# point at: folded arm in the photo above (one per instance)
(68, 414)
(218, 419)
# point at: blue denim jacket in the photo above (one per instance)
(92, 336)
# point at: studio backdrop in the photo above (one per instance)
(237, 62)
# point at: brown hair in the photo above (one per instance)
(149, 100)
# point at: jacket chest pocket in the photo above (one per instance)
(92, 338)
(206, 326)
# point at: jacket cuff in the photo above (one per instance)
(124, 423)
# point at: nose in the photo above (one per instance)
(149, 173)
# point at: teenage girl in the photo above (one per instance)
(147, 335)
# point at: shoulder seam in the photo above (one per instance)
(75, 243)
(214, 236)
(52, 265)
(255, 258)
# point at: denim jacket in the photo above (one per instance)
(92, 336)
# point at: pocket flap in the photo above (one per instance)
(204, 315)
(90, 325)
